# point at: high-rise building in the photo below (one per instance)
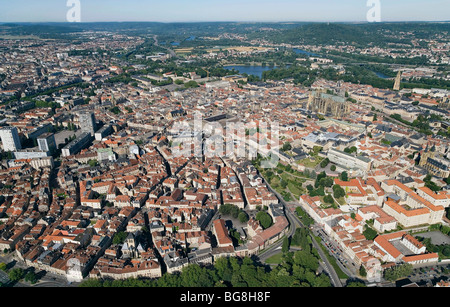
(10, 139)
(46, 142)
(87, 122)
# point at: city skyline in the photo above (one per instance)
(211, 144)
(207, 11)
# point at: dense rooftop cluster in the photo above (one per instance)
(114, 199)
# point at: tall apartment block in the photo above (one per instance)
(46, 142)
(76, 145)
(87, 122)
(10, 139)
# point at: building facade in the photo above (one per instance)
(87, 122)
(47, 143)
(10, 139)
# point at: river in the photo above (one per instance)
(250, 69)
(300, 51)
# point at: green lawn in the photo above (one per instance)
(275, 259)
(310, 164)
(296, 190)
(274, 181)
(341, 201)
(295, 184)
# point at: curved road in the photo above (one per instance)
(172, 53)
(294, 222)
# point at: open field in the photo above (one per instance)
(275, 259)
(293, 182)
(311, 163)
(13, 37)
(184, 50)
(241, 49)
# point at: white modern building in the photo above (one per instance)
(348, 161)
(10, 139)
(46, 142)
(87, 122)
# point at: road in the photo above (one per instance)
(48, 280)
(295, 222)
(172, 53)
(333, 247)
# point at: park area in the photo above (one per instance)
(291, 184)
(287, 181)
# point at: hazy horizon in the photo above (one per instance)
(226, 21)
(263, 11)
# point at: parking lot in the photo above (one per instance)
(431, 274)
(62, 135)
(336, 251)
(4, 278)
(437, 237)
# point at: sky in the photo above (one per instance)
(224, 10)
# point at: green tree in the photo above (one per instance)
(306, 219)
(306, 259)
(243, 217)
(356, 284)
(322, 281)
(229, 209)
(319, 182)
(300, 238)
(91, 283)
(328, 199)
(351, 150)
(369, 233)
(115, 110)
(191, 84)
(169, 280)
(362, 271)
(31, 277)
(264, 219)
(338, 191)
(326, 182)
(319, 192)
(430, 184)
(195, 276)
(16, 274)
(344, 176)
(119, 237)
(285, 247)
(3, 266)
(286, 146)
(397, 272)
(93, 163)
(223, 269)
(324, 163)
(446, 251)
